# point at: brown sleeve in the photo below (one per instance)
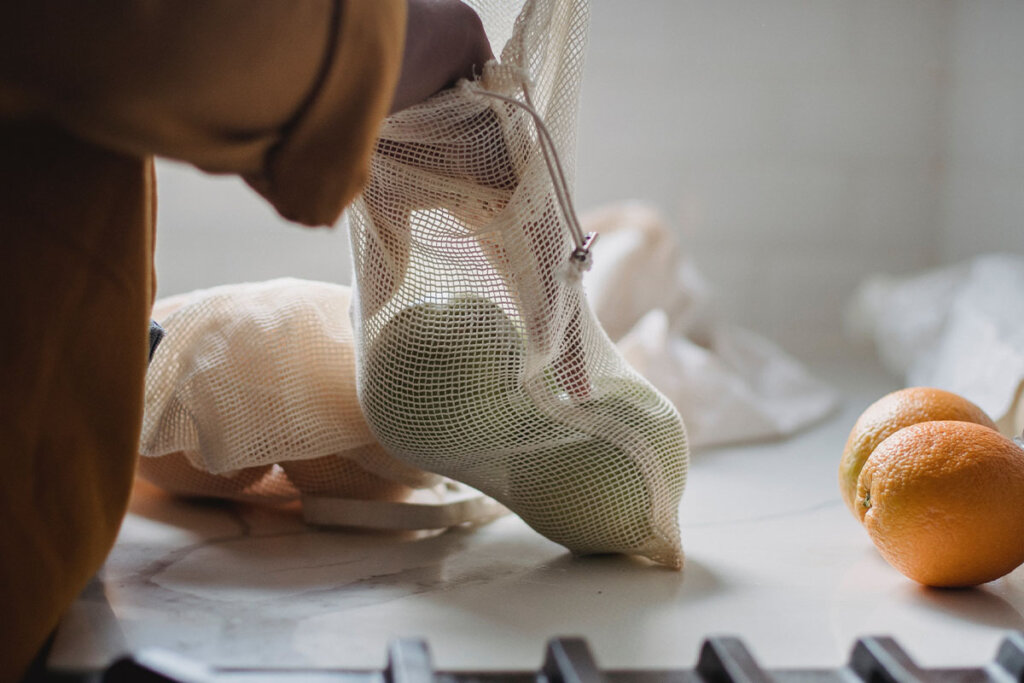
(287, 94)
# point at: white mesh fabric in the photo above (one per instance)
(478, 356)
(256, 375)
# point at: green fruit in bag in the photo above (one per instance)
(604, 492)
(447, 375)
(446, 394)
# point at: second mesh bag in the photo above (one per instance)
(478, 357)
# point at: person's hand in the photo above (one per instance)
(444, 41)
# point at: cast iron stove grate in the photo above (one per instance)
(569, 660)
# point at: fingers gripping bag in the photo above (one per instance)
(478, 356)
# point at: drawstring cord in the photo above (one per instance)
(580, 256)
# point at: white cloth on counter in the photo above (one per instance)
(729, 384)
(958, 328)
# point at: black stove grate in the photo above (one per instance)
(569, 660)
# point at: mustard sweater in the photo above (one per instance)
(286, 94)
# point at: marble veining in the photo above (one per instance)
(772, 556)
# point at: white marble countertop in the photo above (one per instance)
(772, 557)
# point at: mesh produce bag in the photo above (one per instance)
(251, 396)
(478, 355)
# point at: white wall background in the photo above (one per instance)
(982, 203)
(795, 145)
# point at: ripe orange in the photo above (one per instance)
(942, 502)
(892, 413)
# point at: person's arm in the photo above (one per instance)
(288, 95)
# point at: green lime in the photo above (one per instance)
(444, 391)
(603, 493)
(447, 375)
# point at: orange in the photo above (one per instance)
(942, 502)
(892, 413)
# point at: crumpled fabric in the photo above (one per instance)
(258, 374)
(729, 384)
(252, 397)
(958, 328)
